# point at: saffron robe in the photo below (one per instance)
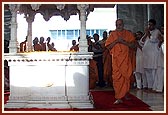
(75, 48)
(37, 47)
(43, 46)
(106, 64)
(107, 68)
(121, 62)
(93, 74)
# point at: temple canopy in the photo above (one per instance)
(63, 10)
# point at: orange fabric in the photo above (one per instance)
(107, 68)
(75, 48)
(106, 64)
(43, 46)
(121, 62)
(93, 74)
(37, 47)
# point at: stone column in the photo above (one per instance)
(134, 16)
(149, 11)
(83, 46)
(29, 19)
(13, 45)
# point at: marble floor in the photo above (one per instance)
(156, 101)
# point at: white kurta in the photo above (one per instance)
(139, 60)
(139, 70)
(150, 50)
(159, 79)
(150, 57)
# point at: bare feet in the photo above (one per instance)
(118, 101)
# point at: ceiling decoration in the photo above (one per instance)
(35, 6)
(49, 10)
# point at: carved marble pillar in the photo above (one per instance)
(83, 46)
(29, 19)
(13, 45)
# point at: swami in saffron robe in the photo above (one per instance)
(121, 62)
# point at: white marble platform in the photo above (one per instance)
(49, 80)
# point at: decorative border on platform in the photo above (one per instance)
(44, 56)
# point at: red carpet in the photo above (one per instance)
(103, 101)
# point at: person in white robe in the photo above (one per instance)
(150, 52)
(159, 79)
(140, 78)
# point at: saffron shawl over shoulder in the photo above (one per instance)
(121, 62)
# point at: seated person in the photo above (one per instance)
(53, 48)
(36, 45)
(23, 45)
(48, 44)
(74, 46)
(43, 44)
